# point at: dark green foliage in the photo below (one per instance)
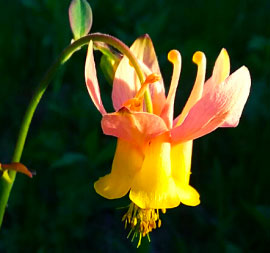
(58, 210)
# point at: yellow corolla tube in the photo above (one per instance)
(181, 163)
(153, 187)
(127, 162)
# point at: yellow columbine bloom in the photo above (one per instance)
(153, 154)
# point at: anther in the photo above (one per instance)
(134, 222)
(159, 223)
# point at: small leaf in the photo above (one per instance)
(80, 18)
(17, 167)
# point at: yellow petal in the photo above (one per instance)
(188, 195)
(127, 162)
(181, 164)
(154, 187)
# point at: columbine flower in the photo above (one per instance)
(153, 155)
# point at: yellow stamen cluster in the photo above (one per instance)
(141, 221)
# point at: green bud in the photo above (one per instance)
(80, 18)
(109, 60)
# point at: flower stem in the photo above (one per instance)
(5, 187)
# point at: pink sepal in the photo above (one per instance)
(91, 79)
(126, 83)
(136, 127)
(220, 106)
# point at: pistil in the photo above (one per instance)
(136, 103)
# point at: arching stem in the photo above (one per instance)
(5, 187)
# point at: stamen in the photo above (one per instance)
(139, 242)
(196, 93)
(141, 221)
(148, 237)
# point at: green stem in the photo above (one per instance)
(5, 187)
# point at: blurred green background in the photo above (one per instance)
(58, 210)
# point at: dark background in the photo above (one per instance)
(58, 210)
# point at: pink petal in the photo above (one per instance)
(91, 79)
(127, 84)
(225, 102)
(136, 127)
(220, 72)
